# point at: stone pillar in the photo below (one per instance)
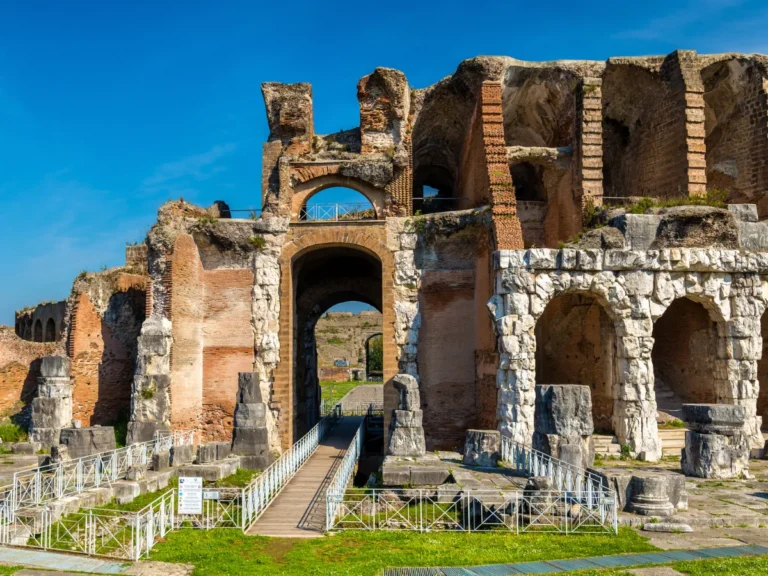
(588, 145)
(739, 347)
(482, 448)
(563, 423)
(151, 393)
(406, 433)
(289, 115)
(52, 409)
(716, 445)
(250, 438)
(385, 101)
(634, 406)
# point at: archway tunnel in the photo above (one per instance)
(324, 277)
(576, 344)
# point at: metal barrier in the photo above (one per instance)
(258, 495)
(423, 510)
(320, 212)
(36, 486)
(334, 495)
(564, 476)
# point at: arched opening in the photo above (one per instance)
(434, 190)
(684, 352)
(374, 358)
(762, 374)
(529, 182)
(50, 330)
(38, 331)
(322, 278)
(576, 344)
(339, 204)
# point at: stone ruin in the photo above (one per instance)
(250, 438)
(563, 423)
(595, 223)
(716, 445)
(52, 408)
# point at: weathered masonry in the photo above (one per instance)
(478, 190)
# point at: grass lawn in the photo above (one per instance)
(335, 391)
(219, 552)
(10, 569)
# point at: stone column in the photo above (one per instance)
(52, 409)
(151, 393)
(250, 437)
(406, 433)
(563, 423)
(739, 347)
(716, 445)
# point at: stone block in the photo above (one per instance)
(564, 410)
(248, 388)
(250, 441)
(577, 451)
(753, 236)
(206, 453)
(55, 367)
(126, 491)
(407, 418)
(621, 480)
(51, 413)
(213, 471)
(639, 230)
(406, 442)
(161, 460)
(86, 441)
(715, 455)
(408, 389)
(256, 462)
(395, 475)
(139, 431)
(46, 437)
(23, 448)
(428, 475)
(134, 474)
(250, 415)
(482, 448)
(181, 455)
(744, 212)
(724, 419)
(649, 496)
(223, 450)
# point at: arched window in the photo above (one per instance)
(337, 203)
(38, 332)
(50, 330)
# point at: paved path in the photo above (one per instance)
(56, 561)
(364, 395)
(299, 510)
(559, 566)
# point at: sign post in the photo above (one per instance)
(190, 495)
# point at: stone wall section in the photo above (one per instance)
(635, 288)
(20, 368)
(343, 335)
(588, 141)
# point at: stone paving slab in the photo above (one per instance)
(560, 566)
(57, 561)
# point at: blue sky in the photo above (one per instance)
(108, 109)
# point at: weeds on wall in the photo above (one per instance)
(715, 198)
(257, 243)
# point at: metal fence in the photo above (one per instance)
(334, 495)
(428, 510)
(564, 476)
(336, 212)
(258, 495)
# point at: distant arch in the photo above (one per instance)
(371, 367)
(50, 330)
(38, 331)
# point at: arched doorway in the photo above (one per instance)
(38, 331)
(374, 357)
(684, 353)
(50, 330)
(762, 375)
(324, 277)
(576, 344)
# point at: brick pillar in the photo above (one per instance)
(508, 233)
(588, 142)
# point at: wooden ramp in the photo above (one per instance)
(299, 510)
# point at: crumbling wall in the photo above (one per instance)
(19, 369)
(42, 323)
(107, 312)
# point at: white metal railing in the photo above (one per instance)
(100, 532)
(33, 487)
(428, 510)
(178, 437)
(348, 211)
(258, 495)
(343, 476)
(564, 476)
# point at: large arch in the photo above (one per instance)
(50, 330)
(576, 344)
(38, 334)
(305, 190)
(322, 266)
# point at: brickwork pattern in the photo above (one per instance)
(588, 141)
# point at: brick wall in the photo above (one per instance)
(588, 141)
(19, 369)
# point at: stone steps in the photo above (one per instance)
(606, 445)
(672, 441)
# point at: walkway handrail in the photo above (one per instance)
(337, 211)
(342, 477)
(564, 476)
(259, 494)
(35, 486)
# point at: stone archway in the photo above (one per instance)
(321, 266)
(305, 190)
(576, 344)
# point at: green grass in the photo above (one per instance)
(239, 479)
(141, 501)
(219, 552)
(672, 424)
(335, 391)
(10, 432)
(10, 569)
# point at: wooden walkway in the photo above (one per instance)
(299, 510)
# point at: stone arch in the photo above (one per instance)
(684, 354)
(38, 330)
(305, 190)
(576, 344)
(368, 370)
(303, 241)
(50, 330)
